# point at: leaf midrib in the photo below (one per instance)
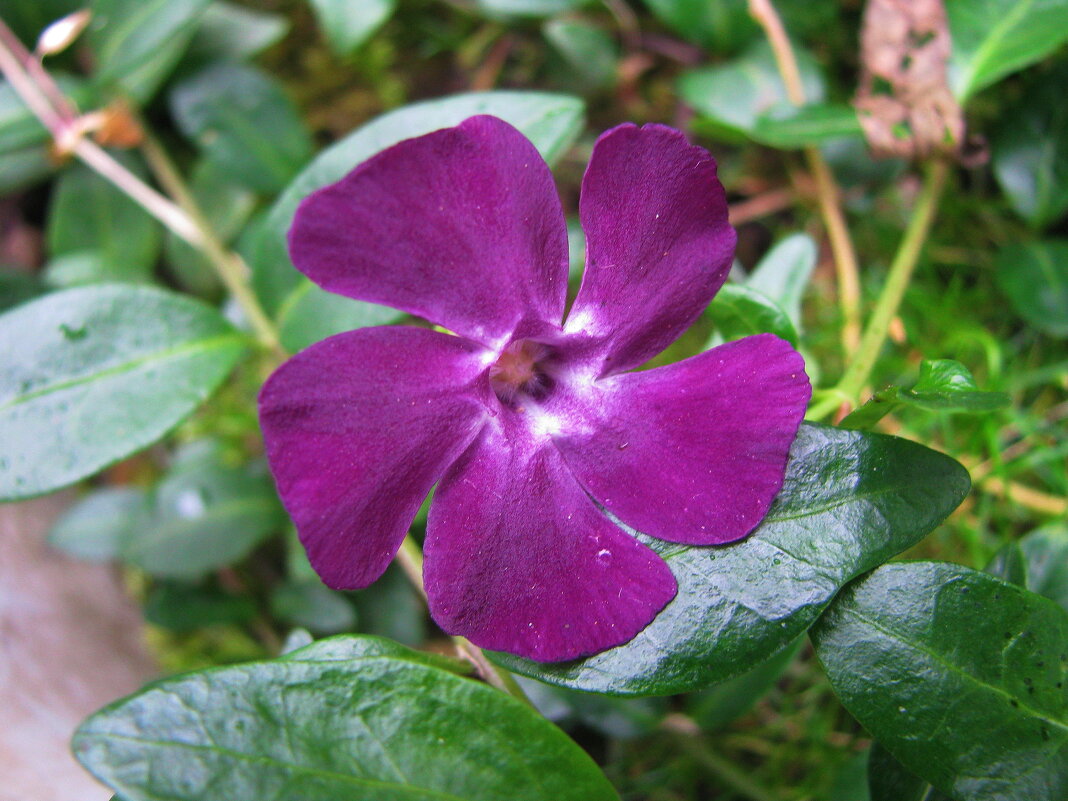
(186, 348)
(938, 658)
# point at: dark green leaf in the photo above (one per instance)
(348, 25)
(1029, 151)
(731, 97)
(944, 385)
(181, 607)
(590, 53)
(739, 311)
(1009, 564)
(850, 501)
(205, 515)
(137, 43)
(88, 213)
(851, 783)
(550, 121)
(230, 31)
(27, 18)
(360, 726)
(1046, 553)
(89, 376)
(1035, 277)
(618, 718)
(98, 526)
(718, 25)
(390, 608)
(994, 38)
(784, 273)
(229, 207)
(791, 127)
(314, 606)
(960, 675)
(717, 706)
(244, 124)
(311, 314)
(889, 780)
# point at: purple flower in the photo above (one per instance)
(528, 426)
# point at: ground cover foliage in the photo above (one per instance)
(896, 627)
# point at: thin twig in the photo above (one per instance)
(827, 192)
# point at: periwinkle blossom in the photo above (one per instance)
(529, 425)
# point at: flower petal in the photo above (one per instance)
(519, 559)
(658, 244)
(358, 428)
(462, 226)
(694, 452)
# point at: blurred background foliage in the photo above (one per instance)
(243, 94)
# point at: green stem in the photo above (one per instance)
(897, 281)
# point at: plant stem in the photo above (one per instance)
(410, 558)
(827, 192)
(231, 269)
(897, 280)
(688, 736)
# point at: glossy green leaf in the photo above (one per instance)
(314, 606)
(850, 501)
(348, 25)
(319, 729)
(784, 273)
(730, 98)
(245, 125)
(205, 514)
(960, 675)
(714, 708)
(183, 607)
(347, 648)
(88, 213)
(1029, 151)
(590, 53)
(89, 376)
(1034, 275)
(994, 38)
(944, 385)
(230, 31)
(790, 127)
(229, 207)
(311, 314)
(137, 43)
(740, 311)
(98, 526)
(550, 121)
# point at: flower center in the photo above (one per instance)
(520, 371)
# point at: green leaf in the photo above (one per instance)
(311, 314)
(617, 718)
(730, 98)
(347, 648)
(88, 213)
(550, 121)
(25, 167)
(89, 376)
(229, 208)
(739, 311)
(27, 18)
(944, 385)
(1038, 562)
(590, 53)
(1035, 277)
(994, 38)
(717, 706)
(1009, 564)
(850, 501)
(98, 526)
(377, 727)
(720, 26)
(138, 42)
(181, 607)
(83, 267)
(205, 514)
(790, 127)
(889, 780)
(16, 287)
(314, 606)
(959, 675)
(230, 31)
(348, 25)
(390, 608)
(851, 782)
(509, 9)
(1029, 151)
(245, 125)
(784, 272)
